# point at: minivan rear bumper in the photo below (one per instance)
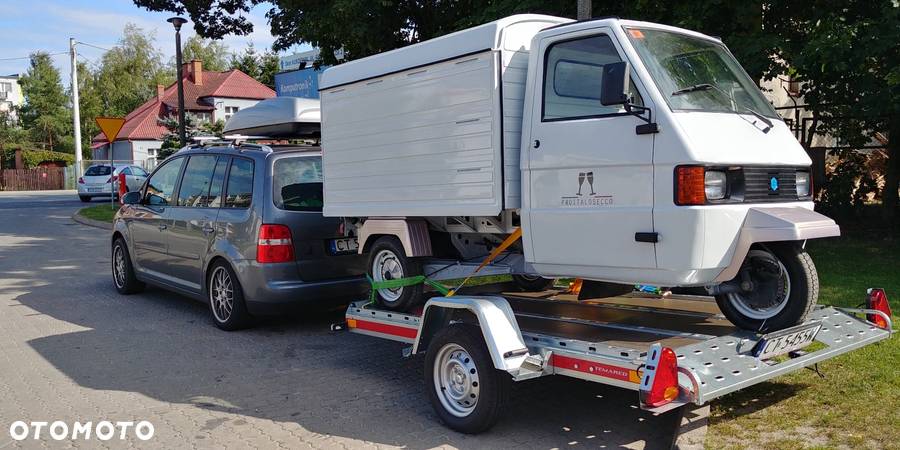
(267, 293)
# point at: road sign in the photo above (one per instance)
(110, 126)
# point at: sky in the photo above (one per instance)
(27, 26)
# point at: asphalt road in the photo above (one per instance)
(72, 349)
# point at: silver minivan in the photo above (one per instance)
(238, 227)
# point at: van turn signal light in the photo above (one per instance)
(690, 185)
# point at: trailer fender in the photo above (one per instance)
(495, 319)
(795, 224)
(413, 234)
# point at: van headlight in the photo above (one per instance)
(715, 183)
(803, 184)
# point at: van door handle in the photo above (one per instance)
(163, 227)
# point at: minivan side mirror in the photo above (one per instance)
(615, 84)
(131, 198)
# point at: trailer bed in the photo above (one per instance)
(608, 340)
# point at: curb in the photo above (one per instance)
(78, 218)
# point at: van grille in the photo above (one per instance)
(758, 181)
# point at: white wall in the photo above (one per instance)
(220, 103)
(141, 149)
(14, 96)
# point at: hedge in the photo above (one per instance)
(34, 157)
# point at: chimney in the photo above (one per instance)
(195, 69)
(160, 91)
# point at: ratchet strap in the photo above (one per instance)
(419, 279)
(515, 236)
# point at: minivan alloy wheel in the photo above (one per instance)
(221, 294)
(119, 266)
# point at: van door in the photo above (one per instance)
(590, 176)
(192, 223)
(149, 226)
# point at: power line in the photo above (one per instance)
(92, 45)
(29, 57)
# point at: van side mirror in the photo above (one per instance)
(132, 198)
(615, 84)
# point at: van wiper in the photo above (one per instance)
(694, 88)
(762, 118)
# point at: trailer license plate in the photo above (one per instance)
(344, 246)
(785, 341)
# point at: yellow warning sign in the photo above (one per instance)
(110, 126)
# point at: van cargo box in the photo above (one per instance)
(432, 129)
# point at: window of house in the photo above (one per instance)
(5, 87)
(239, 188)
(230, 110)
(297, 183)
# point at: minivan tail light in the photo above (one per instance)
(659, 384)
(878, 301)
(275, 244)
(690, 185)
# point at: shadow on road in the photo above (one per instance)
(291, 370)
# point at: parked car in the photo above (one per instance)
(102, 180)
(240, 228)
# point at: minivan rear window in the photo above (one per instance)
(297, 182)
(96, 171)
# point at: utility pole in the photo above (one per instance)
(584, 10)
(76, 113)
(177, 22)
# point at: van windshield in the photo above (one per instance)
(695, 74)
(297, 183)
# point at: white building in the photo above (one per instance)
(10, 96)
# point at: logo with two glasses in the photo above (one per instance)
(583, 198)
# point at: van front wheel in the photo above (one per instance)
(776, 288)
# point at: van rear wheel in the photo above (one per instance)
(532, 283)
(779, 286)
(388, 261)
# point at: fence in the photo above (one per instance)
(39, 179)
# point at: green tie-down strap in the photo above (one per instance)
(402, 282)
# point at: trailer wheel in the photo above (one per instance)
(532, 283)
(388, 261)
(465, 390)
(783, 289)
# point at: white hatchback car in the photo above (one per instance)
(103, 180)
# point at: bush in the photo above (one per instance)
(33, 157)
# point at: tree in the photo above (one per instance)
(44, 113)
(262, 67)
(213, 54)
(845, 54)
(129, 72)
(90, 104)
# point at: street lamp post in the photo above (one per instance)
(178, 22)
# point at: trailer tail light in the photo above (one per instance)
(690, 185)
(275, 244)
(878, 301)
(659, 385)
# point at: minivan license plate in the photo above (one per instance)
(344, 246)
(785, 341)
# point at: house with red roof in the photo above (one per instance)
(208, 95)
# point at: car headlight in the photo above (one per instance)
(803, 184)
(715, 184)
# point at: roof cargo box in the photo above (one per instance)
(278, 117)
(432, 129)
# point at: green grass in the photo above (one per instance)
(857, 404)
(103, 213)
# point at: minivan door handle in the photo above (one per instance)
(208, 229)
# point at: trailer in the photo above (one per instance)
(673, 351)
